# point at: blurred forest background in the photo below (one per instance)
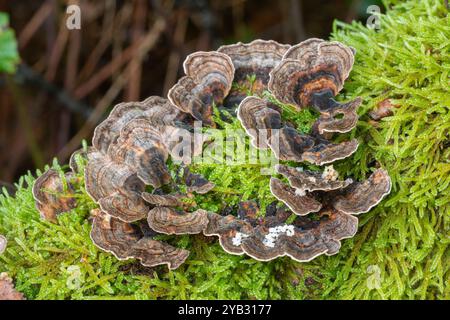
(67, 80)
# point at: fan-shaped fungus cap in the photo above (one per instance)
(126, 242)
(141, 148)
(289, 144)
(324, 152)
(296, 199)
(196, 182)
(295, 146)
(302, 241)
(263, 124)
(50, 197)
(149, 138)
(164, 200)
(7, 290)
(311, 74)
(208, 80)
(313, 66)
(255, 59)
(155, 108)
(230, 229)
(3, 243)
(360, 197)
(329, 122)
(115, 187)
(170, 221)
(306, 180)
(258, 120)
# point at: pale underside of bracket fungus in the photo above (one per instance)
(128, 177)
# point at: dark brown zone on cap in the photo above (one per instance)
(315, 80)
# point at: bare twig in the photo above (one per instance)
(109, 26)
(133, 89)
(86, 88)
(26, 124)
(25, 73)
(175, 54)
(30, 29)
(149, 41)
(58, 49)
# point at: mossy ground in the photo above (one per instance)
(401, 250)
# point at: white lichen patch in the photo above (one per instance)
(312, 179)
(275, 232)
(237, 239)
(300, 192)
(330, 173)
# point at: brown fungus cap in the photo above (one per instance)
(7, 290)
(324, 152)
(248, 210)
(302, 241)
(141, 148)
(313, 66)
(178, 141)
(115, 187)
(263, 124)
(299, 201)
(311, 74)
(258, 120)
(164, 200)
(50, 197)
(170, 221)
(156, 108)
(329, 122)
(196, 182)
(126, 241)
(255, 59)
(306, 180)
(289, 144)
(360, 197)
(228, 229)
(208, 80)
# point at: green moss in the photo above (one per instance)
(407, 236)
(59, 261)
(401, 250)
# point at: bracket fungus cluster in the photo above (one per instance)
(138, 197)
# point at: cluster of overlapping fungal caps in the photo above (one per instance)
(127, 176)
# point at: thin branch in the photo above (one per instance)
(25, 73)
(104, 73)
(36, 21)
